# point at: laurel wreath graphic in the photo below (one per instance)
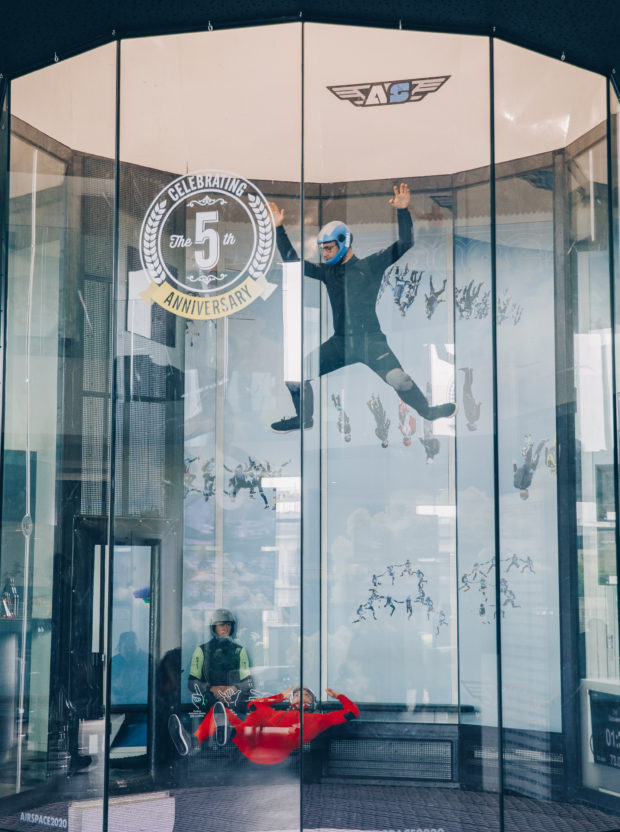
(149, 243)
(262, 253)
(264, 246)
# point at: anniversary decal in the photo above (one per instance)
(378, 93)
(206, 243)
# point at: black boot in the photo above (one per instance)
(416, 399)
(294, 423)
(441, 411)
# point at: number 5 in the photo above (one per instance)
(209, 236)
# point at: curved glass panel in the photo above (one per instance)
(206, 583)
(557, 511)
(55, 442)
(396, 332)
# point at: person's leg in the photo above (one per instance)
(181, 739)
(209, 726)
(380, 358)
(287, 424)
(263, 495)
(331, 357)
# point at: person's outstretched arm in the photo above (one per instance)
(285, 247)
(401, 201)
(270, 700)
(315, 724)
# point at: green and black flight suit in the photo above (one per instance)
(221, 661)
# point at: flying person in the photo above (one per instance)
(390, 603)
(470, 406)
(266, 736)
(467, 299)
(344, 423)
(528, 564)
(188, 477)
(406, 423)
(208, 479)
(406, 568)
(430, 444)
(381, 420)
(352, 286)
(410, 293)
(428, 603)
(524, 475)
(360, 614)
(433, 299)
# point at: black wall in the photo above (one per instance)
(32, 33)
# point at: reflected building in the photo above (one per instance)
(455, 577)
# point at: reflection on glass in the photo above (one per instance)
(236, 410)
(381, 470)
(220, 668)
(555, 416)
(200, 478)
(52, 643)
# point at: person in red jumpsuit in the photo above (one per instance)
(267, 736)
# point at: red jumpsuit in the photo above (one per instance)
(268, 736)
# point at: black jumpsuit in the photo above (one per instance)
(352, 288)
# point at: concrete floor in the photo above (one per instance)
(327, 807)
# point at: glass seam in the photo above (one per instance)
(301, 437)
(612, 326)
(496, 494)
(112, 442)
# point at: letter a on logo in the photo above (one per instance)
(376, 95)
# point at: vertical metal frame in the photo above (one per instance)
(566, 405)
(109, 557)
(302, 378)
(5, 166)
(612, 218)
(496, 494)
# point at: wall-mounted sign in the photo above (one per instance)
(605, 715)
(377, 93)
(206, 243)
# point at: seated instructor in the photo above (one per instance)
(220, 668)
(352, 286)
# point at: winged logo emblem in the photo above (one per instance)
(378, 93)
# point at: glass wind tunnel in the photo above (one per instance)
(225, 475)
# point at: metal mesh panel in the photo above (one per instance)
(93, 449)
(95, 380)
(96, 369)
(97, 222)
(373, 758)
(98, 252)
(119, 480)
(147, 431)
(148, 379)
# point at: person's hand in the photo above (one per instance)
(402, 196)
(223, 691)
(278, 215)
(286, 693)
(330, 691)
